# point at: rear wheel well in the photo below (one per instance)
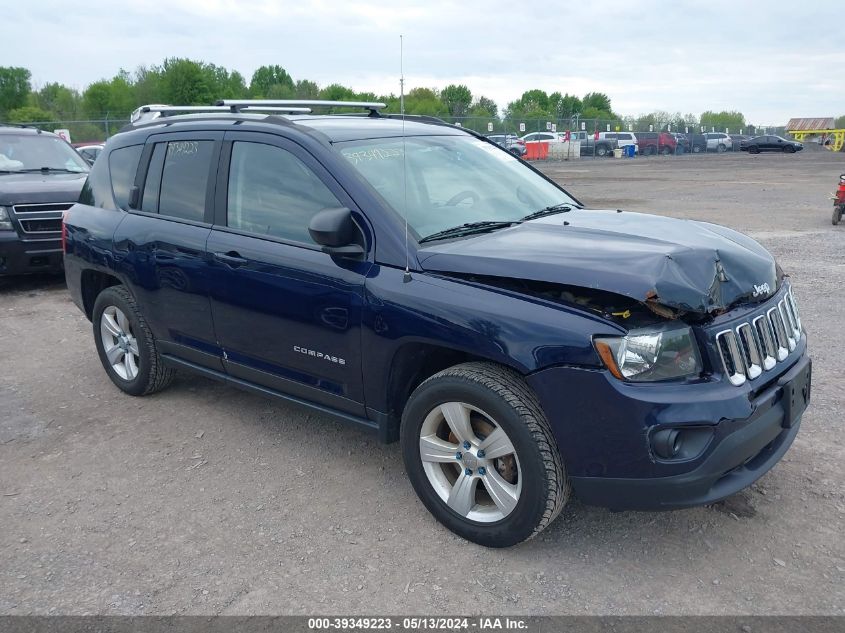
(412, 364)
(93, 283)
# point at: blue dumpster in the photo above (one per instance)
(629, 151)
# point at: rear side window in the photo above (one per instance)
(123, 164)
(177, 179)
(624, 137)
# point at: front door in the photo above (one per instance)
(287, 315)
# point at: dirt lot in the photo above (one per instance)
(208, 500)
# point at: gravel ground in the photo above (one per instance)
(207, 500)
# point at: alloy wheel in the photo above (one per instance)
(470, 462)
(119, 343)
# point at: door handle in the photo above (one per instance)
(231, 258)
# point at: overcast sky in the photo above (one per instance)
(645, 54)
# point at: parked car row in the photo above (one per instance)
(650, 143)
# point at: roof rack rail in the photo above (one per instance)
(158, 110)
(372, 106)
(21, 125)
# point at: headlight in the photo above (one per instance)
(5, 220)
(651, 354)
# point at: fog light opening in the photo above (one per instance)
(667, 443)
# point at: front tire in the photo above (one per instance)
(722, 148)
(837, 214)
(696, 149)
(481, 456)
(126, 345)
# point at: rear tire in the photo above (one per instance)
(753, 150)
(696, 149)
(666, 150)
(837, 214)
(126, 345)
(601, 150)
(454, 418)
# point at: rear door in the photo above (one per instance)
(161, 244)
(287, 315)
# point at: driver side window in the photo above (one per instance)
(272, 192)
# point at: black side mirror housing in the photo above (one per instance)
(335, 230)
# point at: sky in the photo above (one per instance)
(771, 60)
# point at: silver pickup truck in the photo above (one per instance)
(591, 147)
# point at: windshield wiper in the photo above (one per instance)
(468, 228)
(47, 170)
(550, 210)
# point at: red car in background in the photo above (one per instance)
(656, 143)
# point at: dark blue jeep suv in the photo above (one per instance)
(422, 282)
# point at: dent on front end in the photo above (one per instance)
(703, 435)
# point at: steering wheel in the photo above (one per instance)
(461, 196)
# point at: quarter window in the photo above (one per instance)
(123, 163)
(272, 192)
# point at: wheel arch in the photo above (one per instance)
(92, 283)
(411, 365)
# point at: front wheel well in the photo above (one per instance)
(412, 364)
(93, 282)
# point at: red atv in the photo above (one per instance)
(839, 201)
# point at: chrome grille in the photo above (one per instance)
(756, 346)
(45, 225)
(48, 207)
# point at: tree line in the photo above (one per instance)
(189, 82)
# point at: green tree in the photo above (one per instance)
(457, 99)
(54, 97)
(186, 82)
(484, 107)
(114, 99)
(14, 87)
(269, 79)
(840, 122)
(148, 85)
(733, 121)
(306, 89)
(599, 101)
(30, 114)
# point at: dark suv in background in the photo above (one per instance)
(40, 177)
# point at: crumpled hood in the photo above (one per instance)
(36, 188)
(684, 264)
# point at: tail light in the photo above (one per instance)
(64, 231)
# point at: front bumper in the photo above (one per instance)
(19, 256)
(604, 427)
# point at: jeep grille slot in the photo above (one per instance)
(750, 350)
(732, 363)
(756, 346)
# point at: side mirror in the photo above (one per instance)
(335, 230)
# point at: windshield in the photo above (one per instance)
(451, 180)
(35, 152)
